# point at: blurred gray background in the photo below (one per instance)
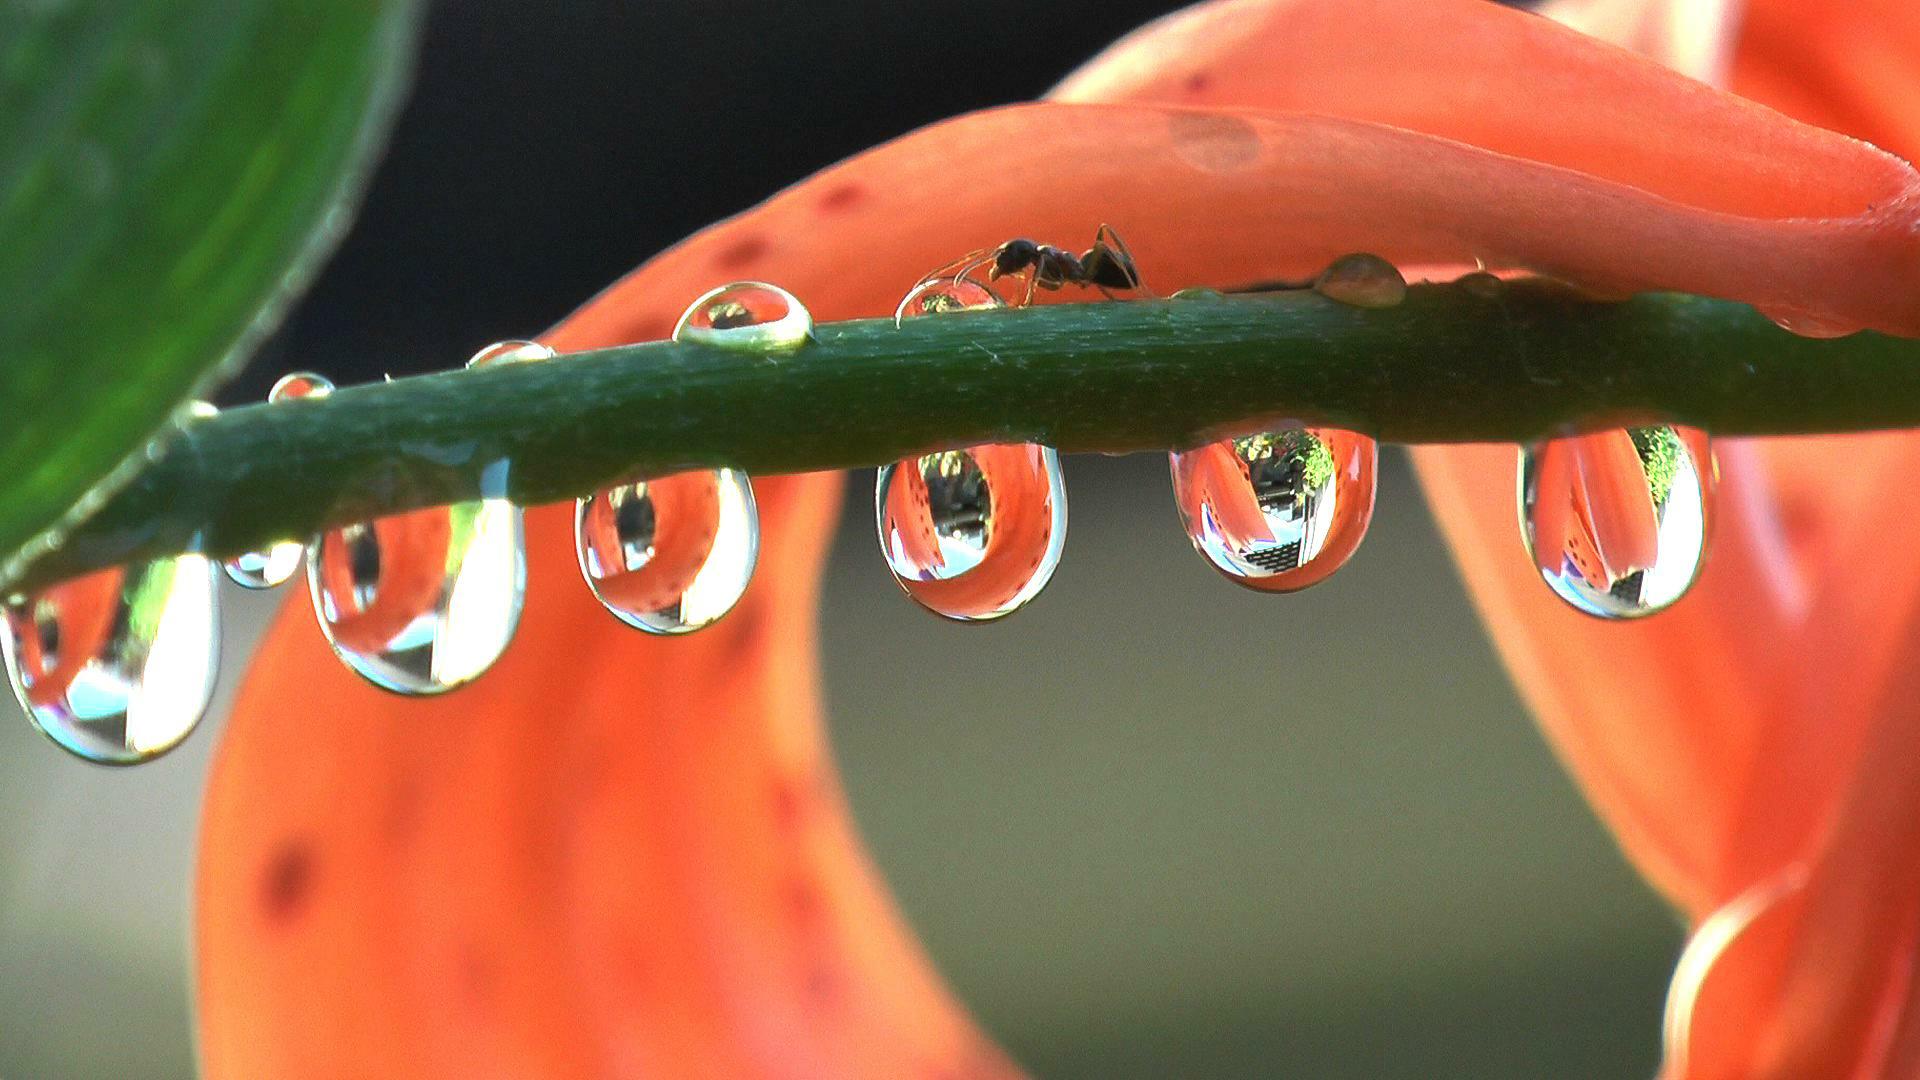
(1153, 826)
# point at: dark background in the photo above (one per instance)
(1154, 826)
(551, 147)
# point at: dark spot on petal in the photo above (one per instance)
(789, 803)
(745, 627)
(843, 197)
(477, 972)
(742, 253)
(404, 805)
(805, 903)
(286, 885)
(1199, 82)
(825, 988)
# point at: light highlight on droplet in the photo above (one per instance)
(973, 534)
(117, 666)
(1617, 521)
(1281, 510)
(672, 554)
(272, 566)
(751, 316)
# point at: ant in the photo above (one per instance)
(1107, 265)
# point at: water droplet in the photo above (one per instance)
(973, 534)
(117, 666)
(1198, 292)
(1278, 511)
(425, 601)
(510, 352)
(273, 566)
(748, 315)
(941, 295)
(1363, 281)
(1617, 521)
(1809, 325)
(672, 554)
(1481, 284)
(970, 534)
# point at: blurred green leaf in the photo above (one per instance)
(171, 174)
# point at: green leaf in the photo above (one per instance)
(171, 174)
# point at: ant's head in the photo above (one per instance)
(1013, 257)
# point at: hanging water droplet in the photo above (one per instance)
(117, 666)
(1617, 521)
(673, 554)
(973, 534)
(425, 601)
(273, 566)
(1281, 510)
(752, 316)
(970, 534)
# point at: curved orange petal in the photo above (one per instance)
(1661, 761)
(622, 854)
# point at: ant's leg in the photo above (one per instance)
(968, 261)
(966, 264)
(1106, 234)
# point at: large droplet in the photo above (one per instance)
(117, 666)
(1362, 280)
(752, 316)
(1281, 510)
(973, 534)
(425, 601)
(1809, 325)
(273, 566)
(1617, 521)
(673, 554)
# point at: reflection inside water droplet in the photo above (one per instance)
(673, 554)
(1617, 521)
(273, 566)
(117, 666)
(973, 534)
(1278, 511)
(752, 316)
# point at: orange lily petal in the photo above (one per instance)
(619, 854)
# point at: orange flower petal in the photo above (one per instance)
(620, 854)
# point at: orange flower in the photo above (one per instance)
(646, 867)
(1758, 757)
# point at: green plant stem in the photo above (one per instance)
(1450, 364)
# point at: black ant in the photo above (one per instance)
(1107, 265)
